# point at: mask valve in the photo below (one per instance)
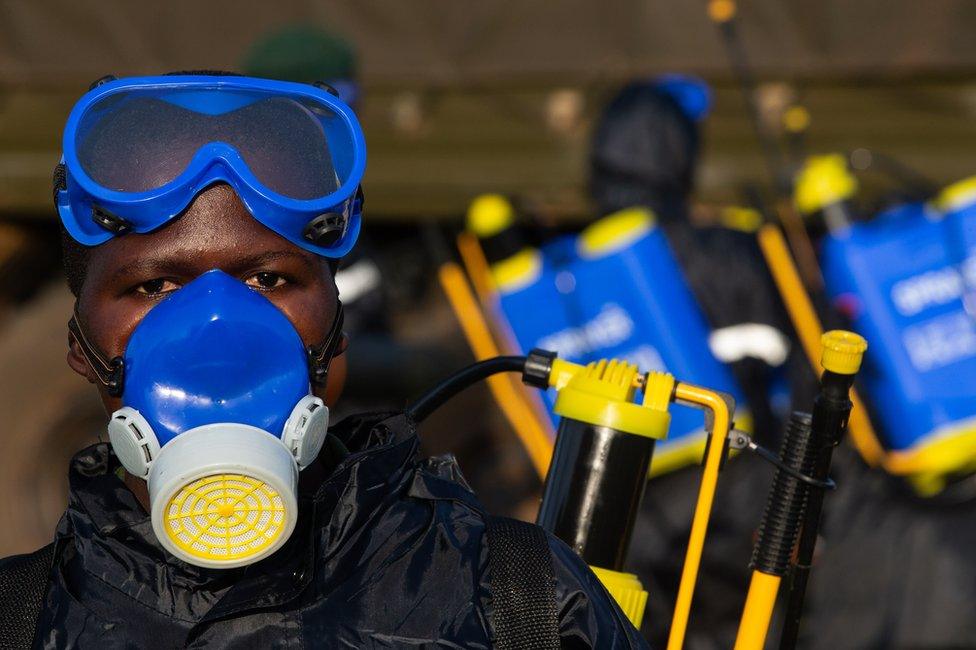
(133, 440)
(305, 429)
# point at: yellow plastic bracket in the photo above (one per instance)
(562, 372)
(658, 390)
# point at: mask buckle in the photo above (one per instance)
(110, 373)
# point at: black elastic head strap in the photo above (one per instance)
(320, 356)
(110, 372)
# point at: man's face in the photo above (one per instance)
(127, 276)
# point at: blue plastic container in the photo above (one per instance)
(902, 280)
(531, 288)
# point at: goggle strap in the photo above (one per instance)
(320, 356)
(360, 201)
(110, 373)
(60, 180)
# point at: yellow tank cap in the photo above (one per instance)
(517, 271)
(822, 181)
(842, 351)
(958, 195)
(601, 394)
(615, 231)
(489, 214)
(747, 220)
(627, 590)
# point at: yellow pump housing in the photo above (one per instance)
(602, 394)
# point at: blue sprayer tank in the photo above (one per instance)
(616, 291)
(902, 279)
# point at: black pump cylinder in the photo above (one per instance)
(594, 488)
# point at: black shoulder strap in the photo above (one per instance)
(23, 583)
(523, 586)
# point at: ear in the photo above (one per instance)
(77, 361)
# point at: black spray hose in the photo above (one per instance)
(436, 396)
(831, 410)
(780, 524)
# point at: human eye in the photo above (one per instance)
(265, 280)
(156, 287)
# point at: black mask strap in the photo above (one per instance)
(109, 372)
(320, 356)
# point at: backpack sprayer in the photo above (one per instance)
(606, 441)
(612, 291)
(791, 259)
(904, 278)
(611, 417)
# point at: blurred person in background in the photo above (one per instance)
(308, 54)
(644, 153)
(204, 218)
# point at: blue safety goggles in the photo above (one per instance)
(138, 150)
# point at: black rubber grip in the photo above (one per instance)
(780, 524)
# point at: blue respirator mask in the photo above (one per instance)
(218, 416)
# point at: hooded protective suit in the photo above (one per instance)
(389, 552)
(644, 153)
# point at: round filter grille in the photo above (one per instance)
(225, 517)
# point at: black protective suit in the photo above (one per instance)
(388, 553)
(892, 570)
(644, 153)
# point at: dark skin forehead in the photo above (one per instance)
(215, 232)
